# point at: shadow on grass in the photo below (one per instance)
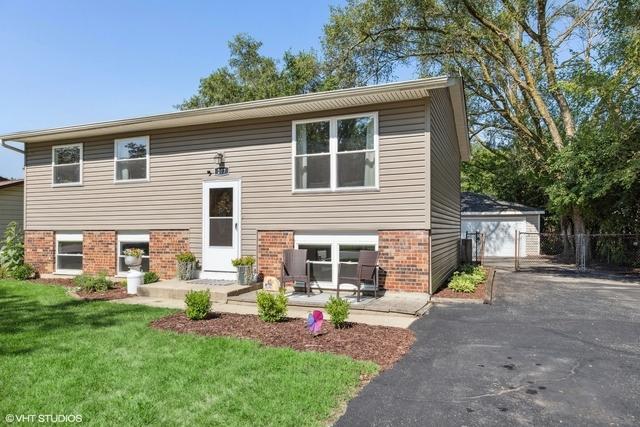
(21, 313)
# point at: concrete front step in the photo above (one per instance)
(175, 289)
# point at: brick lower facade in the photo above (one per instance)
(163, 247)
(270, 247)
(404, 259)
(99, 252)
(39, 250)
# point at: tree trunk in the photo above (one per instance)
(578, 222)
(565, 230)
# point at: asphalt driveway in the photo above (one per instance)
(551, 350)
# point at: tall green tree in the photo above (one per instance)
(538, 77)
(250, 76)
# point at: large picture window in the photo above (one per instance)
(132, 159)
(69, 253)
(330, 255)
(336, 153)
(130, 241)
(67, 164)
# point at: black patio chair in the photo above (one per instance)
(295, 268)
(366, 272)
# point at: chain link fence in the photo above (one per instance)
(582, 252)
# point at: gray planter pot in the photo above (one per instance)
(185, 270)
(245, 274)
(133, 262)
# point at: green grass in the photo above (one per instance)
(102, 361)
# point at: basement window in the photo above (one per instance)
(130, 241)
(69, 253)
(331, 255)
(67, 165)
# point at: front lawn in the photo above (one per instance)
(101, 360)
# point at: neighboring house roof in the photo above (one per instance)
(286, 105)
(481, 204)
(10, 182)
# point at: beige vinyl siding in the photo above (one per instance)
(259, 153)
(445, 190)
(11, 205)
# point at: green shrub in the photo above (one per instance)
(186, 257)
(12, 247)
(338, 309)
(272, 307)
(198, 304)
(245, 260)
(150, 277)
(98, 283)
(4, 273)
(23, 272)
(467, 278)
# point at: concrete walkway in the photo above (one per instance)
(367, 317)
(551, 350)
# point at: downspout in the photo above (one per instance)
(5, 145)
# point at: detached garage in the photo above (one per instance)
(499, 221)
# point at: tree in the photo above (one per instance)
(530, 67)
(250, 76)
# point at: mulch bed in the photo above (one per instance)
(119, 292)
(115, 293)
(482, 291)
(380, 344)
(479, 293)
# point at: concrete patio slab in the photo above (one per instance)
(391, 302)
(177, 289)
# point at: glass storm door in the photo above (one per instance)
(221, 228)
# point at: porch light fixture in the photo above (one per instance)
(221, 170)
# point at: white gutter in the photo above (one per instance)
(5, 145)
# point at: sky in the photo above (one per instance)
(71, 62)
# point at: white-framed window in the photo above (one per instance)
(336, 153)
(333, 254)
(131, 158)
(69, 253)
(66, 165)
(128, 240)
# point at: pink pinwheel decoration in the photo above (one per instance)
(314, 322)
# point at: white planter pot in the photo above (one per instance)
(134, 279)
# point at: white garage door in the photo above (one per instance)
(499, 232)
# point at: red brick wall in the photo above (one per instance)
(163, 247)
(39, 250)
(404, 259)
(99, 252)
(270, 247)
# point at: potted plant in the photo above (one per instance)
(186, 265)
(245, 269)
(133, 258)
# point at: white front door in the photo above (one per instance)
(221, 228)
